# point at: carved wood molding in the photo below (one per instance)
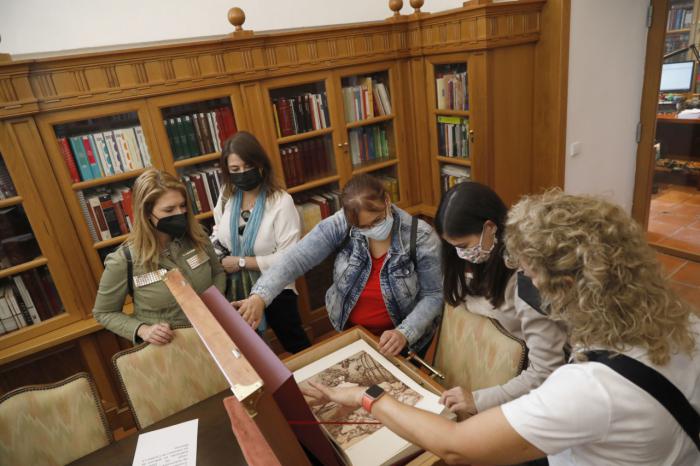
(62, 82)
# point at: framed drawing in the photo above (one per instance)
(359, 364)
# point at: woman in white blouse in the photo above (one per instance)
(255, 220)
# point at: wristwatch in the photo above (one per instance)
(241, 262)
(370, 396)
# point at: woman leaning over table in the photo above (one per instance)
(255, 221)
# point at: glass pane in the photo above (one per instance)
(316, 204)
(307, 160)
(27, 299)
(104, 146)
(366, 96)
(450, 175)
(107, 210)
(451, 87)
(390, 181)
(204, 183)
(7, 187)
(17, 244)
(453, 136)
(371, 144)
(199, 128)
(300, 109)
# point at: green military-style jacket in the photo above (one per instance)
(153, 302)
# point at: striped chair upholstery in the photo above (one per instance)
(160, 380)
(52, 424)
(475, 352)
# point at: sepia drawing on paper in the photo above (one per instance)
(359, 369)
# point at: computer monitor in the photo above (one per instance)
(677, 77)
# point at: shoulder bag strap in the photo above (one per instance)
(414, 236)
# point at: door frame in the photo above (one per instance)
(646, 162)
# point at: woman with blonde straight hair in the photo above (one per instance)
(594, 268)
(165, 235)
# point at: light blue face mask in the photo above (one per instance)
(380, 231)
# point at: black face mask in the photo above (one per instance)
(247, 180)
(174, 225)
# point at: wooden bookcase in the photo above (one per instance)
(47, 98)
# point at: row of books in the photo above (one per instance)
(98, 154)
(675, 42)
(7, 187)
(200, 133)
(391, 184)
(368, 144)
(453, 136)
(452, 91)
(680, 17)
(369, 99)
(451, 175)
(203, 188)
(300, 114)
(27, 299)
(305, 161)
(314, 207)
(108, 211)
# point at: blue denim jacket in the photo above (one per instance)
(412, 293)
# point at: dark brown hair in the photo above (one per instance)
(464, 210)
(363, 192)
(248, 148)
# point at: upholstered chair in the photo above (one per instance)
(475, 352)
(160, 380)
(52, 424)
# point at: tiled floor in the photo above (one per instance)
(674, 218)
(684, 276)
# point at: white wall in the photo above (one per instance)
(29, 26)
(606, 67)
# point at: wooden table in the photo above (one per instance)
(216, 444)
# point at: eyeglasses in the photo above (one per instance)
(375, 223)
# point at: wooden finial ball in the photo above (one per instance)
(395, 6)
(416, 5)
(236, 17)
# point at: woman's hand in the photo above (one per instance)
(251, 309)
(392, 342)
(459, 401)
(345, 396)
(157, 334)
(230, 264)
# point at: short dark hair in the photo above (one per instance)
(463, 210)
(248, 148)
(363, 192)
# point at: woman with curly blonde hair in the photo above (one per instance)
(593, 267)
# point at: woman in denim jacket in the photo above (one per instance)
(375, 282)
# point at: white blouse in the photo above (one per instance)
(279, 229)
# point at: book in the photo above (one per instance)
(27, 299)
(67, 155)
(133, 147)
(199, 134)
(101, 155)
(101, 226)
(123, 150)
(22, 305)
(143, 147)
(96, 169)
(112, 147)
(88, 215)
(110, 214)
(450, 175)
(81, 158)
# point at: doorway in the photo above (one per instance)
(667, 185)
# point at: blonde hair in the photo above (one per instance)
(595, 269)
(148, 188)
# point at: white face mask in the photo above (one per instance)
(381, 231)
(477, 254)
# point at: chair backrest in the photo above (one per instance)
(476, 352)
(52, 424)
(160, 380)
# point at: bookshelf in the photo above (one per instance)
(452, 143)
(680, 28)
(259, 80)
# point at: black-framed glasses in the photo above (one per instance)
(376, 222)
